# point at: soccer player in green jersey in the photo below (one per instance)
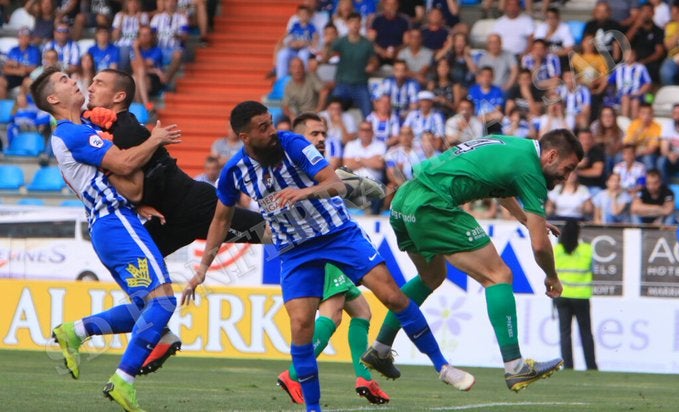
(432, 227)
(339, 294)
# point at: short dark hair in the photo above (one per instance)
(646, 105)
(540, 41)
(629, 146)
(468, 100)
(305, 8)
(125, 83)
(302, 119)
(211, 159)
(654, 172)
(242, 114)
(354, 15)
(43, 87)
(564, 141)
(487, 68)
(554, 10)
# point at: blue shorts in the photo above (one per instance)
(303, 267)
(126, 248)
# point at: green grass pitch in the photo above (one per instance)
(31, 382)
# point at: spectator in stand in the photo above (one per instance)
(105, 54)
(612, 205)
(50, 58)
(284, 123)
(210, 172)
(172, 30)
(356, 61)
(341, 126)
(624, 11)
(569, 200)
(458, 53)
(591, 170)
(425, 118)
(505, 68)
(428, 145)
(517, 125)
(489, 100)
(646, 40)
(661, 13)
(66, 48)
(319, 18)
(196, 14)
(325, 69)
(225, 147)
(604, 31)
(447, 94)
(515, 28)
(644, 133)
(85, 73)
(554, 118)
(591, 70)
(654, 203)
(26, 118)
(304, 92)
(341, 18)
(435, 32)
(96, 13)
(400, 161)
(417, 58)
(609, 135)
(21, 61)
(670, 66)
(544, 66)
(299, 42)
(632, 82)
(464, 126)
(367, 9)
(414, 9)
(126, 24)
(525, 96)
(401, 89)
(385, 123)
(68, 12)
(632, 173)
(451, 13)
(668, 163)
(387, 31)
(365, 156)
(45, 17)
(557, 35)
(577, 100)
(147, 66)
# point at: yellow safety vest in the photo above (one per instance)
(575, 271)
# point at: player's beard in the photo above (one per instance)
(270, 155)
(552, 179)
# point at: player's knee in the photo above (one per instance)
(501, 274)
(395, 301)
(301, 324)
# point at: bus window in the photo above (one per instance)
(48, 229)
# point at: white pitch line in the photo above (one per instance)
(364, 408)
(502, 404)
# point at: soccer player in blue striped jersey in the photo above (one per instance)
(120, 240)
(299, 195)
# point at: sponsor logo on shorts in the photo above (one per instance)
(140, 274)
(475, 234)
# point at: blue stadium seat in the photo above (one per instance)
(675, 188)
(11, 177)
(140, 112)
(278, 89)
(6, 107)
(29, 201)
(47, 179)
(470, 2)
(29, 144)
(276, 113)
(71, 203)
(577, 28)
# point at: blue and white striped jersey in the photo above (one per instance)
(401, 96)
(167, 27)
(293, 224)
(129, 27)
(421, 123)
(574, 100)
(69, 53)
(384, 129)
(628, 78)
(549, 68)
(79, 151)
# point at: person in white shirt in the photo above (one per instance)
(632, 173)
(515, 28)
(661, 13)
(341, 126)
(426, 118)
(464, 125)
(557, 35)
(365, 156)
(569, 200)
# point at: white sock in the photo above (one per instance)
(80, 329)
(382, 349)
(514, 366)
(125, 376)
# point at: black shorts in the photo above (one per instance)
(192, 221)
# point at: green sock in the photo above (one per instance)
(358, 343)
(416, 290)
(502, 313)
(323, 330)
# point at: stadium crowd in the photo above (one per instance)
(398, 82)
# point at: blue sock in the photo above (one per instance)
(146, 333)
(307, 373)
(415, 325)
(118, 319)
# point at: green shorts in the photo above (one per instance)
(428, 225)
(336, 283)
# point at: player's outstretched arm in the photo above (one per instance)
(125, 162)
(543, 252)
(329, 185)
(221, 222)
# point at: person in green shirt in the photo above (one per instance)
(430, 224)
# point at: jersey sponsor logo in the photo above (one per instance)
(312, 154)
(96, 141)
(475, 143)
(140, 273)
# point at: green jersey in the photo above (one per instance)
(493, 166)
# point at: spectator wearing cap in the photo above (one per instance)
(21, 61)
(425, 118)
(66, 48)
(401, 89)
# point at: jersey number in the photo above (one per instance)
(474, 143)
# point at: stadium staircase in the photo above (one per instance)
(231, 69)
